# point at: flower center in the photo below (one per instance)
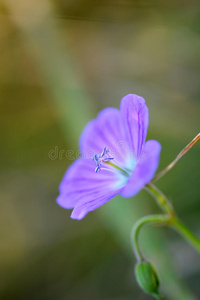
(103, 158)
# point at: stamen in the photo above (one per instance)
(105, 151)
(107, 159)
(97, 169)
(98, 159)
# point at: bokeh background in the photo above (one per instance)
(61, 62)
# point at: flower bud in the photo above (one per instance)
(147, 278)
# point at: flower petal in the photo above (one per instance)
(86, 190)
(136, 119)
(83, 207)
(146, 167)
(106, 131)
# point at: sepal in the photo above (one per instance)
(147, 278)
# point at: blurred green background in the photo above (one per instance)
(61, 62)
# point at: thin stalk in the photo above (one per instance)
(186, 234)
(158, 219)
(172, 164)
(161, 199)
(173, 221)
(158, 296)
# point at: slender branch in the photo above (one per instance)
(172, 164)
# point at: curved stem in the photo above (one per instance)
(168, 219)
(159, 219)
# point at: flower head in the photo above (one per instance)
(115, 158)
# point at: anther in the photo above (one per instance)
(105, 151)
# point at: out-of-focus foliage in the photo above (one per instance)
(60, 63)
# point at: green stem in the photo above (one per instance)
(158, 297)
(186, 233)
(168, 219)
(161, 199)
(174, 222)
(159, 219)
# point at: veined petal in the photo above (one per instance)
(145, 169)
(136, 119)
(107, 130)
(86, 190)
(84, 207)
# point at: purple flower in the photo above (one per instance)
(115, 158)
